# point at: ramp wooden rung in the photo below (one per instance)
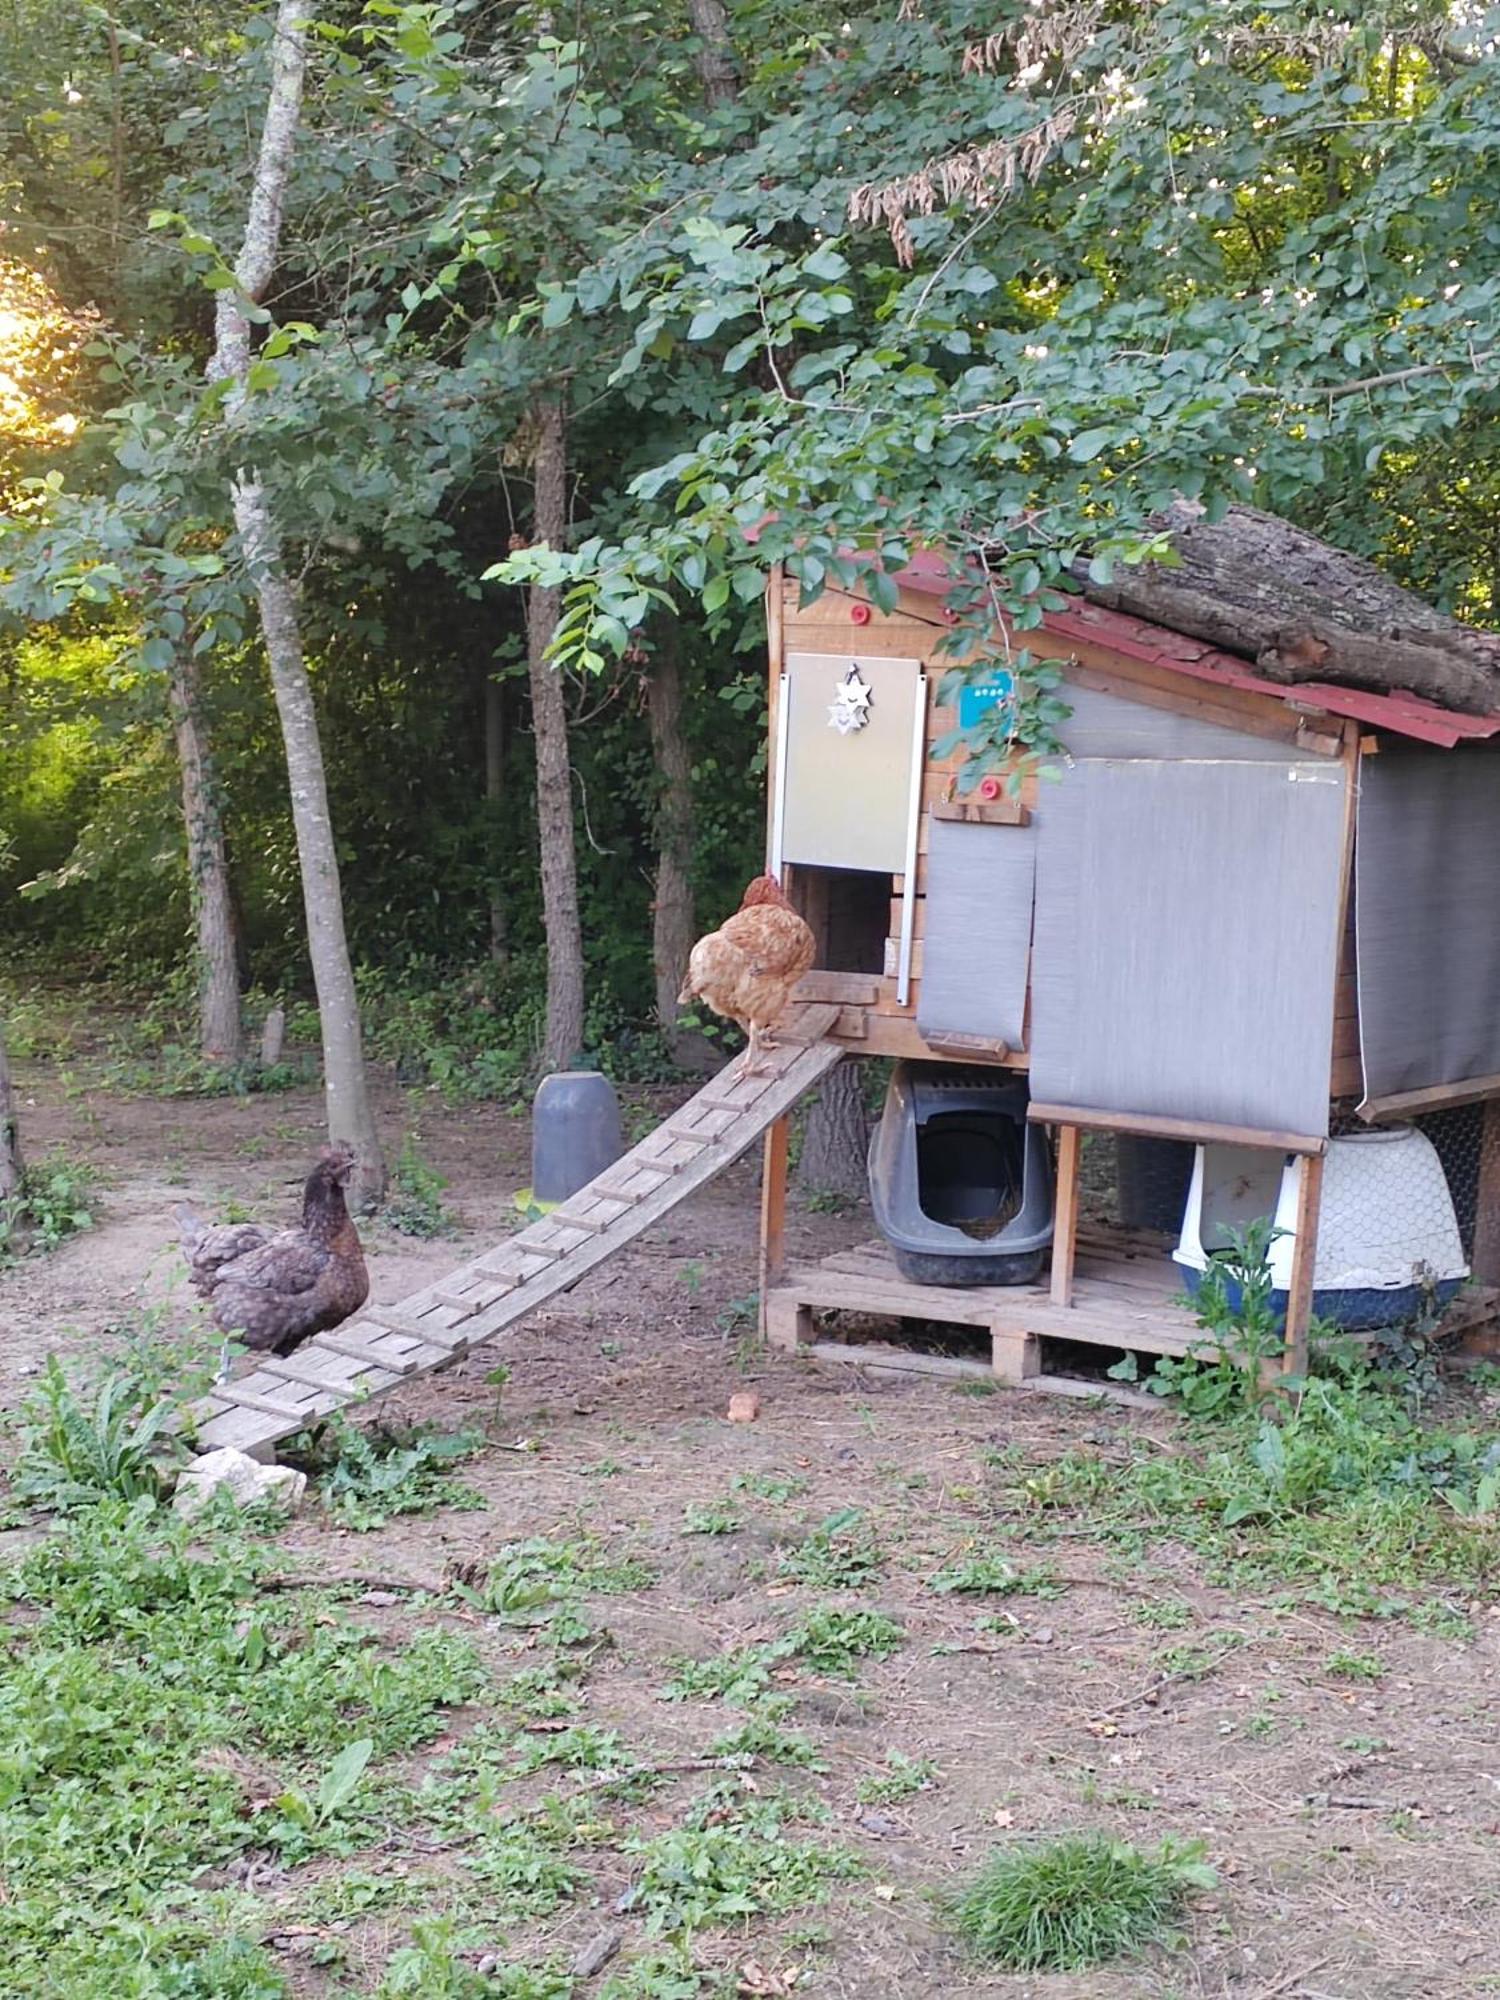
(341, 1343)
(495, 1291)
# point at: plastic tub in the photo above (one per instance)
(1387, 1234)
(960, 1183)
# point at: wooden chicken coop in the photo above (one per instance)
(1245, 915)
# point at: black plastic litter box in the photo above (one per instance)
(960, 1184)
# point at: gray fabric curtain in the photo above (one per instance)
(1427, 918)
(976, 944)
(1186, 940)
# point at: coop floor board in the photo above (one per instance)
(1124, 1298)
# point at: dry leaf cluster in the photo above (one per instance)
(979, 175)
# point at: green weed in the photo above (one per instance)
(833, 1639)
(841, 1554)
(414, 1205)
(721, 1519)
(368, 1477)
(992, 1576)
(729, 1862)
(1349, 1666)
(902, 1778)
(111, 1439)
(777, 1487)
(1077, 1902)
(57, 1200)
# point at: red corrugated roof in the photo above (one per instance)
(1401, 713)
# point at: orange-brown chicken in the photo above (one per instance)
(747, 968)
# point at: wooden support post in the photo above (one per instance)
(773, 1179)
(1304, 1262)
(1485, 1259)
(1065, 1221)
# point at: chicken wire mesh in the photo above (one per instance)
(1142, 1184)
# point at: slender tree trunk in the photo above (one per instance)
(219, 1035)
(717, 69)
(554, 775)
(674, 920)
(11, 1164)
(494, 786)
(837, 1135)
(350, 1115)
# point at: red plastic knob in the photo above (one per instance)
(989, 788)
(859, 614)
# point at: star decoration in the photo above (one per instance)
(851, 704)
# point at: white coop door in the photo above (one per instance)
(849, 776)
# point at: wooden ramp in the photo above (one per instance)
(383, 1346)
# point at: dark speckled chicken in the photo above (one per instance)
(272, 1289)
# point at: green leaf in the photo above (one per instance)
(341, 1780)
(716, 594)
(1088, 445)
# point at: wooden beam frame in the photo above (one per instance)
(1151, 1127)
(1438, 1097)
(775, 1159)
(1304, 1265)
(1065, 1216)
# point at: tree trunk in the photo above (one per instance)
(563, 1035)
(674, 922)
(11, 1164)
(1304, 611)
(350, 1116)
(219, 1034)
(714, 61)
(494, 784)
(836, 1140)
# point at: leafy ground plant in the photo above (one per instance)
(415, 1204)
(840, 1554)
(366, 1477)
(57, 1200)
(1076, 1902)
(83, 1443)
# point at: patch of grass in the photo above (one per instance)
(724, 1518)
(1339, 1490)
(902, 1778)
(840, 1554)
(777, 1487)
(57, 1200)
(727, 1863)
(414, 1205)
(368, 1477)
(161, 1718)
(832, 1639)
(763, 1736)
(532, 1575)
(993, 1576)
(1347, 1666)
(740, 1677)
(1164, 1614)
(1077, 1902)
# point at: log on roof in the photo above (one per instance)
(1303, 610)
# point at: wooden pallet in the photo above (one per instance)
(1125, 1292)
(384, 1345)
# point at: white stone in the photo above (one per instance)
(247, 1482)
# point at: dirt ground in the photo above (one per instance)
(1355, 1825)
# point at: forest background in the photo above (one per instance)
(464, 352)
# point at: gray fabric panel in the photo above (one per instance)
(1427, 918)
(976, 943)
(1186, 947)
(848, 797)
(1107, 725)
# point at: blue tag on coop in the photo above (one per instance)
(979, 697)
